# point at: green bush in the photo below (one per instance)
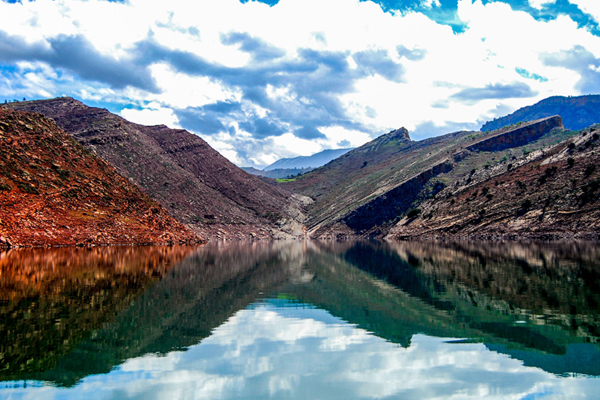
(413, 213)
(590, 169)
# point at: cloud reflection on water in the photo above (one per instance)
(267, 351)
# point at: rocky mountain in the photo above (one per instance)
(551, 193)
(369, 190)
(197, 185)
(577, 112)
(304, 162)
(54, 191)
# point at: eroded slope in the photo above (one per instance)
(53, 191)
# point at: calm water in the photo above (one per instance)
(301, 321)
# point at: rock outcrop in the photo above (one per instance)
(55, 192)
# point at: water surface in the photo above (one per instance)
(354, 320)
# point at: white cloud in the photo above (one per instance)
(154, 114)
(184, 62)
(540, 3)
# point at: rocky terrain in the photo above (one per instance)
(577, 112)
(197, 185)
(532, 179)
(54, 191)
(369, 190)
(549, 194)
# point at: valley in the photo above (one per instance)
(530, 179)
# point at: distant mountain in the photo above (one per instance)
(303, 162)
(195, 183)
(53, 191)
(277, 173)
(577, 112)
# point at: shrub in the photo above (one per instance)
(413, 213)
(27, 188)
(570, 161)
(571, 146)
(4, 187)
(590, 169)
(551, 171)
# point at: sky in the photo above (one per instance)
(263, 80)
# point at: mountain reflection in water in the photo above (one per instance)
(302, 320)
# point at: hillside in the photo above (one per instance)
(550, 194)
(53, 191)
(197, 185)
(577, 112)
(302, 162)
(366, 191)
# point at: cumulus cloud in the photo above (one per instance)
(413, 55)
(580, 60)
(250, 72)
(495, 91)
(77, 55)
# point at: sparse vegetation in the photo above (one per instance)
(27, 188)
(589, 170)
(413, 213)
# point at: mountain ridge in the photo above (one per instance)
(577, 112)
(195, 183)
(303, 162)
(53, 191)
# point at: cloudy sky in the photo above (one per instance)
(261, 80)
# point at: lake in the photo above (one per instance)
(302, 320)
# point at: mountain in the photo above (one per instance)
(303, 162)
(369, 190)
(197, 185)
(577, 112)
(53, 191)
(277, 173)
(548, 194)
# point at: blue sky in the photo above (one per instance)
(265, 80)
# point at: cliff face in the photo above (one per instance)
(191, 180)
(577, 112)
(549, 194)
(53, 191)
(521, 135)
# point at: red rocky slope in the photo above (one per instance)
(196, 184)
(53, 191)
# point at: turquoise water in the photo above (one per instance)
(303, 321)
